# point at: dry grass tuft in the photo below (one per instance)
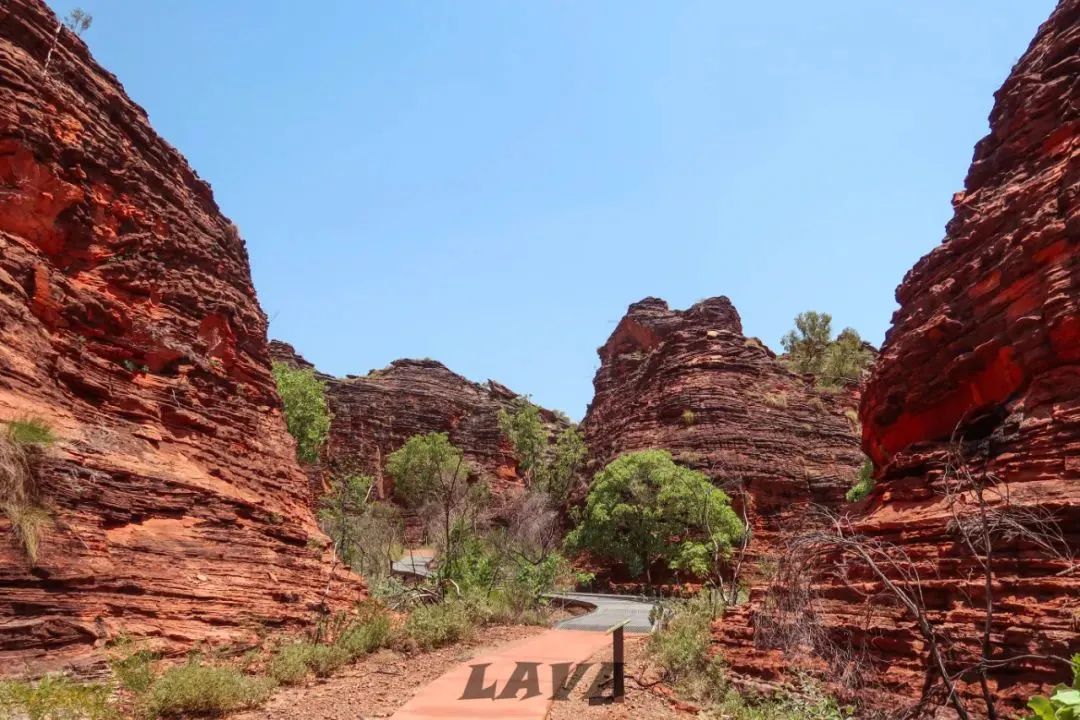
(21, 449)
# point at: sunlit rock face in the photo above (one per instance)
(981, 367)
(129, 323)
(690, 382)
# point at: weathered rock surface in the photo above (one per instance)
(128, 321)
(690, 382)
(374, 414)
(985, 348)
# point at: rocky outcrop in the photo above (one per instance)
(691, 382)
(129, 323)
(374, 414)
(980, 374)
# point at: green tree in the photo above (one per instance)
(806, 344)
(845, 359)
(547, 470)
(559, 474)
(811, 349)
(643, 508)
(527, 435)
(430, 475)
(306, 414)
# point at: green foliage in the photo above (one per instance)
(195, 689)
(30, 432)
(811, 349)
(526, 432)
(425, 468)
(292, 662)
(864, 484)
(434, 626)
(430, 474)
(365, 633)
(54, 697)
(643, 508)
(806, 344)
(844, 360)
(366, 636)
(557, 477)
(306, 414)
(544, 470)
(680, 646)
(135, 671)
(289, 665)
(1063, 703)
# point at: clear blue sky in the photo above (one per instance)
(491, 183)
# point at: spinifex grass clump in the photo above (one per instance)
(22, 445)
(55, 696)
(195, 689)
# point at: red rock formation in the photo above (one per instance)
(375, 414)
(128, 321)
(985, 348)
(746, 416)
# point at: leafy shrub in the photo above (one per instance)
(434, 626)
(306, 414)
(643, 508)
(135, 671)
(195, 689)
(844, 360)
(805, 345)
(391, 591)
(289, 665)
(810, 349)
(864, 484)
(689, 417)
(1063, 703)
(325, 660)
(55, 697)
(527, 435)
(680, 646)
(366, 636)
(292, 662)
(544, 469)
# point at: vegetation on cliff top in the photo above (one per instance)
(811, 349)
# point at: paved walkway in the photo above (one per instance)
(442, 698)
(610, 610)
(416, 563)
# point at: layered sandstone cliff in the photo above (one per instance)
(979, 379)
(374, 414)
(689, 381)
(128, 322)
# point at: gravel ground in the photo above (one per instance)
(376, 686)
